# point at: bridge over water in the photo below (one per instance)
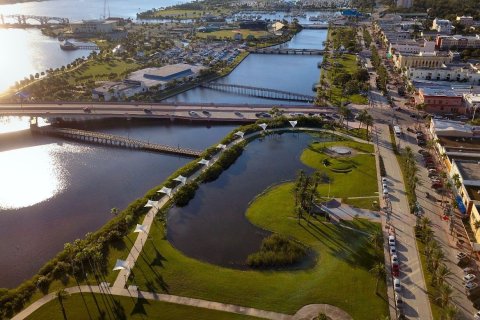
(259, 92)
(113, 140)
(24, 18)
(277, 50)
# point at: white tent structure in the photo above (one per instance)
(140, 228)
(221, 146)
(181, 179)
(121, 265)
(150, 204)
(239, 134)
(205, 162)
(263, 126)
(165, 190)
(293, 123)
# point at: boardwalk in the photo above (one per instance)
(112, 140)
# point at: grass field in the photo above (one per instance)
(361, 181)
(101, 70)
(221, 34)
(348, 64)
(126, 308)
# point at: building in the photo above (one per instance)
(423, 59)
(411, 46)
(472, 102)
(458, 42)
(461, 72)
(160, 77)
(118, 90)
(468, 172)
(404, 3)
(93, 26)
(442, 25)
(441, 101)
(466, 21)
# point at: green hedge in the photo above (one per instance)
(277, 251)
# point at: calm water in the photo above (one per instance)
(213, 226)
(48, 183)
(292, 73)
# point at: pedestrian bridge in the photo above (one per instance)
(259, 92)
(113, 140)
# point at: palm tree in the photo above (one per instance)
(62, 295)
(114, 211)
(456, 180)
(445, 293)
(436, 257)
(425, 222)
(442, 273)
(368, 122)
(376, 238)
(378, 272)
(450, 311)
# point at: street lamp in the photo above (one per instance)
(474, 110)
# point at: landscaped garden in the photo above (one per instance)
(335, 258)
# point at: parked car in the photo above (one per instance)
(384, 180)
(395, 270)
(394, 259)
(468, 270)
(461, 255)
(469, 277)
(470, 285)
(397, 285)
(393, 251)
(385, 191)
(436, 185)
(391, 240)
(398, 301)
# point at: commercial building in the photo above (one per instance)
(458, 42)
(442, 25)
(160, 77)
(93, 26)
(468, 172)
(118, 90)
(423, 59)
(461, 72)
(411, 46)
(466, 21)
(441, 101)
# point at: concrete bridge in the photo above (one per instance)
(259, 92)
(277, 50)
(113, 140)
(24, 18)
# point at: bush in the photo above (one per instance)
(211, 174)
(276, 251)
(186, 193)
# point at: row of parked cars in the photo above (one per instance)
(397, 286)
(433, 174)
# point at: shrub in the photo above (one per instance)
(211, 174)
(276, 251)
(183, 196)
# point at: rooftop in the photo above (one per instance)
(440, 92)
(473, 192)
(469, 169)
(453, 132)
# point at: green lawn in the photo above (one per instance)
(348, 64)
(103, 69)
(126, 308)
(361, 181)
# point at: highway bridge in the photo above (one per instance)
(259, 92)
(192, 112)
(23, 19)
(278, 50)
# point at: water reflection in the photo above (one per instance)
(31, 175)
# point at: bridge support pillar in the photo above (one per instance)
(33, 123)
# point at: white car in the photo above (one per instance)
(394, 259)
(385, 191)
(391, 240)
(471, 285)
(384, 180)
(476, 316)
(461, 255)
(192, 113)
(393, 251)
(384, 186)
(396, 285)
(469, 277)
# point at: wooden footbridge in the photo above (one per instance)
(259, 92)
(113, 140)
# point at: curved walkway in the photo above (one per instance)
(306, 313)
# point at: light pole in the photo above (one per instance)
(474, 110)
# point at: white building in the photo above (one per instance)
(472, 103)
(118, 90)
(93, 26)
(411, 46)
(462, 72)
(442, 25)
(160, 77)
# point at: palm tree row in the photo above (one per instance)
(365, 119)
(410, 174)
(305, 192)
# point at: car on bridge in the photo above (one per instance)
(87, 109)
(193, 113)
(263, 115)
(207, 113)
(238, 114)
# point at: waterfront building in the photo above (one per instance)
(93, 26)
(118, 90)
(160, 77)
(442, 25)
(458, 42)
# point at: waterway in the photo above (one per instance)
(294, 73)
(54, 191)
(213, 226)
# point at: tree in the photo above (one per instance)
(456, 180)
(444, 295)
(62, 295)
(376, 238)
(442, 273)
(378, 272)
(450, 312)
(368, 122)
(114, 211)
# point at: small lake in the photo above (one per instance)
(213, 226)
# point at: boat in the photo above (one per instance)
(67, 45)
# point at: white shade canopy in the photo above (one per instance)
(221, 146)
(140, 228)
(240, 134)
(121, 265)
(263, 126)
(166, 190)
(181, 179)
(150, 204)
(293, 123)
(205, 162)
